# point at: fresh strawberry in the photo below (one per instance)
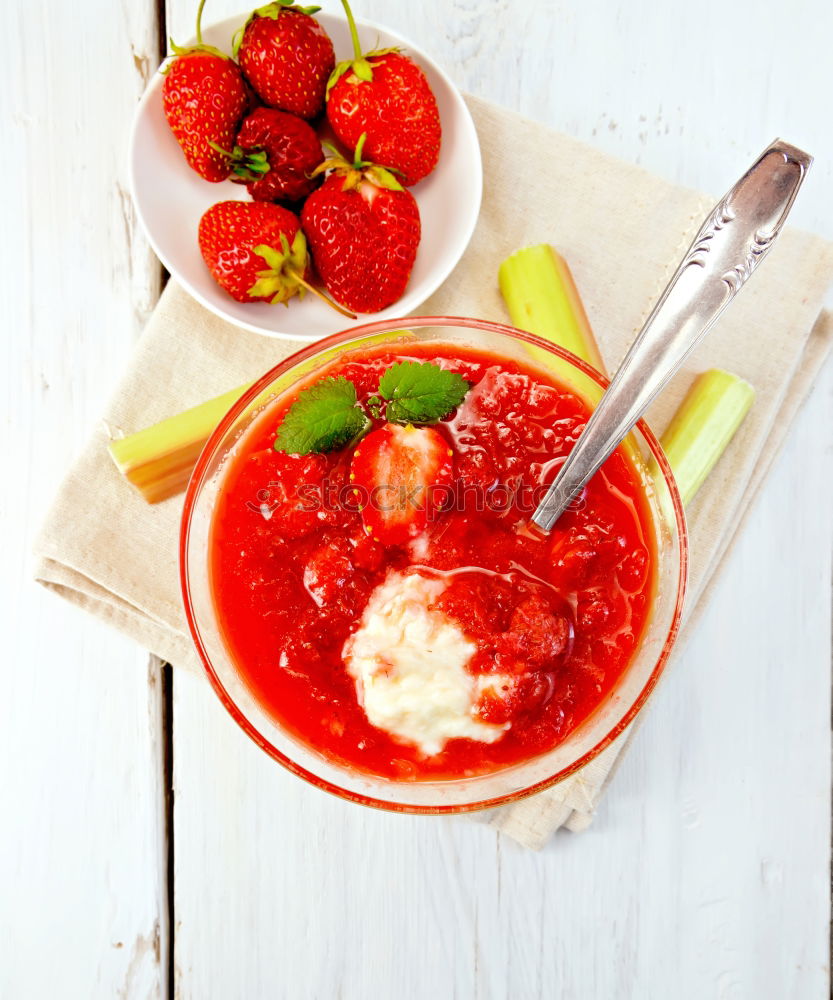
(294, 494)
(402, 475)
(257, 251)
(504, 697)
(287, 57)
(204, 97)
(363, 228)
(275, 156)
(387, 96)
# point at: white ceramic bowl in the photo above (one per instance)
(170, 198)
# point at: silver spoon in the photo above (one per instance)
(731, 243)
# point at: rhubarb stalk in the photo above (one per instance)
(542, 298)
(703, 425)
(158, 460)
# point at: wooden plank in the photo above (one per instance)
(707, 870)
(83, 863)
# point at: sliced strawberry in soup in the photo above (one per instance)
(402, 476)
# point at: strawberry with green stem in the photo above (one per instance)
(204, 97)
(286, 56)
(275, 156)
(256, 251)
(364, 229)
(386, 96)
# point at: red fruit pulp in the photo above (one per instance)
(555, 619)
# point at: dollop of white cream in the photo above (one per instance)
(409, 664)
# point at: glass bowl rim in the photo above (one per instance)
(344, 337)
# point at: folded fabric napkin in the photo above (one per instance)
(623, 232)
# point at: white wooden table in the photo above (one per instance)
(706, 873)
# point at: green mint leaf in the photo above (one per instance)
(324, 417)
(420, 393)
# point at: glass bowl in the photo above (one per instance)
(464, 794)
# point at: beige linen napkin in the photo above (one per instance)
(623, 232)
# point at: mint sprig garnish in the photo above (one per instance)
(327, 415)
(420, 393)
(324, 417)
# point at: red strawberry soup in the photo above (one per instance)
(381, 595)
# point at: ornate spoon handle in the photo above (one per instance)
(729, 246)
